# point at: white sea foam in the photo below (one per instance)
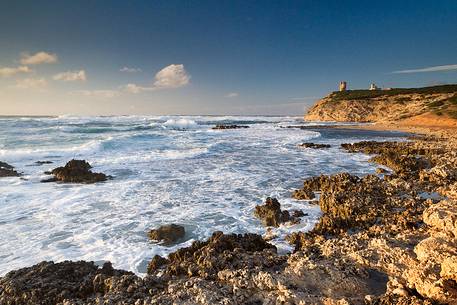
(204, 179)
(180, 124)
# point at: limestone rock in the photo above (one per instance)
(270, 213)
(167, 233)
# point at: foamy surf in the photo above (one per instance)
(166, 169)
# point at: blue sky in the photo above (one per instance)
(214, 57)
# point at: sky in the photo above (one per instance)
(90, 57)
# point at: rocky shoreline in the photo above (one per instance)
(389, 238)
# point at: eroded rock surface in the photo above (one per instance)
(271, 214)
(167, 233)
(76, 171)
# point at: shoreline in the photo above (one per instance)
(332, 264)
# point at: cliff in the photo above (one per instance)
(429, 105)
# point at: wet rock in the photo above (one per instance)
(402, 165)
(381, 170)
(349, 202)
(167, 233)
(76, 171)
(156, 263)
(52, 283)
(7, 170)
(220, 252)
(303, 194)
(223, 126)
(270, 213)
(314, 145)
(298, 213)
(43, 162)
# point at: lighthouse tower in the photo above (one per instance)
(343, 86)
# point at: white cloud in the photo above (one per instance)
(429, 69)
(130, 70)
(7, 72)
(172, 76)
(71, 76)
(38, 58)
(98, 93)
(132, 88)
(231, 95)
(31, 83)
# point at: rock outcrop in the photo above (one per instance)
(223, 126)
(76, 171)
(271, 214)
(167, 233)
(386, 106)
(7, 170)
(314, 145)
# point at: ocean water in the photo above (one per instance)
(166, 169)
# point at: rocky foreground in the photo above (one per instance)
(389, 238)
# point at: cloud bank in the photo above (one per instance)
(38, 58)
(71, 76)
(98, 93)
(31, 83)
(429, 69)
(7, 71)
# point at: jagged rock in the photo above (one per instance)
(76, 171)
(51, 283)
(381, 170)
(7, 170)
(167, 233)
(298, 213)
(221, 251)
(270, 213)
(156, 262)
(303, 194)
(314, 145)
(439, 175)
(221, 126)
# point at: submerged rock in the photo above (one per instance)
(270, 213)
(167, 233)
(7, 170)
(222, 126)
(76, 171)
(43, 162)
(314, 145)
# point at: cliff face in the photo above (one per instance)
(386, 106)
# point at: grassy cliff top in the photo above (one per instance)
(367, 94)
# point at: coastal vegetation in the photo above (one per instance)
(369, 94)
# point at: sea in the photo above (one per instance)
(165, 169)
